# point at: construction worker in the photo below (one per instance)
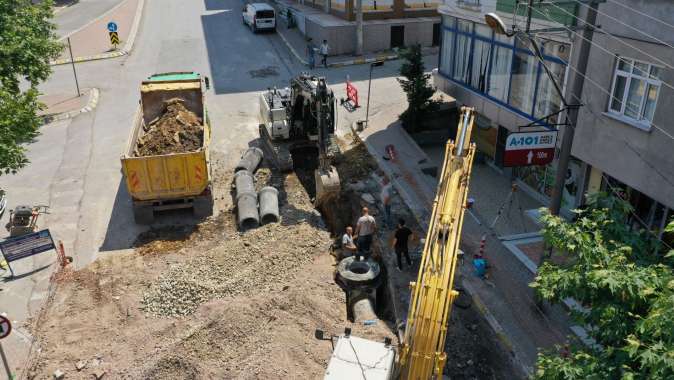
(348, 246)
(311, 54)
(400, 243)
(365, 229)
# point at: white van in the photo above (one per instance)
(259, 16)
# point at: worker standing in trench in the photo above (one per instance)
(365, 229)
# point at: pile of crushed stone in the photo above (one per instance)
(177, 130)
(250, 262)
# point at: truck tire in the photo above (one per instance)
(203, 207)
(143, 214)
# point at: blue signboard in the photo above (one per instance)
(26, 245)
(112, 26)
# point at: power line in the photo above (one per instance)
(641, 13)
(610, 53)
(627, 25)
(663, 131)
(615, 38)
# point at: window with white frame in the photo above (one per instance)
(635, 90)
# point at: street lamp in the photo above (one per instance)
(498, 26)
(369, 85)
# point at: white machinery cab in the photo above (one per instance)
(273, 113)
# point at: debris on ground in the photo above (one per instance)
(177, 130)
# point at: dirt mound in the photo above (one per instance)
(172, 368)
(177, 130)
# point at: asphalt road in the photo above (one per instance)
(75, 166)
(74, 17)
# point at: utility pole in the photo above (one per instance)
(359, 27)
(72, 61)
(576, 90)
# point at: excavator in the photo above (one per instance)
(302, 116)
(421, 354)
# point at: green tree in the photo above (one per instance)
(624, 279)
(417, 88)
(28, 43)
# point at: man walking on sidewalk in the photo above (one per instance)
(400, 242)
(365, 229)
(324, 53)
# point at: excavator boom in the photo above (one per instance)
(422, 353)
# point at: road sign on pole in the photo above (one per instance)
(112, 26)
(114, 39)
(529, 148)
(5, 327)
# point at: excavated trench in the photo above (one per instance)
(338, 213)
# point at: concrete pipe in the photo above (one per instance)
(250, 160)
(246, 205)
(268, 205)
(244, 182)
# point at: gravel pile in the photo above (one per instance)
(244, 263)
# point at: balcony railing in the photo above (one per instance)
(469, 4)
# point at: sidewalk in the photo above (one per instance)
(505, 299)
(297, 44)
(92, 42)
(64, 106)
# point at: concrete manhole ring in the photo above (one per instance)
(358, 271)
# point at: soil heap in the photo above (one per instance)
(177, 130)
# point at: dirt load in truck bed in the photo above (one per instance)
(177, 130)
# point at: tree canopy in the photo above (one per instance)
(28, 43)
(417, 88)
(624, 280)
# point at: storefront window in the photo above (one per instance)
(446, 52)
(462, 52)
(499, 78)
(525, 67)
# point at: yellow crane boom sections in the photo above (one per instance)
(422, 353)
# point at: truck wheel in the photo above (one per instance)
(203, 207)
(143, 214)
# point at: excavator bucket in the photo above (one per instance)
(327, 184)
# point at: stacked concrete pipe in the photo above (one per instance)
(250, 160)
(269, 212)
(246, 200)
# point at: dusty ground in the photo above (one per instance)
(209, 302)
(177, 130)
(205, 302)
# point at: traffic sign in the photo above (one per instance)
(112, 26)
(529, 148)
(5, 327)
(26, 245)
(114, 38)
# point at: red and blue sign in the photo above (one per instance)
(529, 148)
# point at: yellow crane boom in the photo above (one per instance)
(422, 354)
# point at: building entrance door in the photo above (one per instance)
(397, 36)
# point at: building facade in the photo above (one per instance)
(625, 132)
(387, 24)
(504, 81)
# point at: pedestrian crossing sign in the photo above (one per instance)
(114, 39)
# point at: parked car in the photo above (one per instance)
(259, 16)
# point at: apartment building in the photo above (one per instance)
(625, 132)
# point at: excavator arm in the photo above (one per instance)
(422, 354)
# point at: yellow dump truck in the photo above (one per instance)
(165, 181)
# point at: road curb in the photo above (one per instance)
(91, 105)
(128, 45)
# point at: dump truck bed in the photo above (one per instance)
(167, 176)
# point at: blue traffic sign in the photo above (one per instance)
(112, 26)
